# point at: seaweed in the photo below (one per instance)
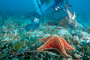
(18, 45)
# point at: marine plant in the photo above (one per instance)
(18, 45)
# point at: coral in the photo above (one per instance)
(63, 32)
(63, 22)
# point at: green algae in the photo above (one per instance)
(18, 45)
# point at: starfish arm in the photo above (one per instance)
(47, 45)
(45, 39)
(60, 47)
(66, 44)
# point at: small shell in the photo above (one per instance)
(76, 56)
(0, 38)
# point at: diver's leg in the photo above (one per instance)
(45, 6)
(38, 10)
(39, 2)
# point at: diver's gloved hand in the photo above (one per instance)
(34, 25)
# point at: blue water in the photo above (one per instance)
(21, 6)
(81, 7)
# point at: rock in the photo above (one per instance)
(83, 33)
(63, 32)
(86, 38)
(76, 38)
(46, 35)
(79, 47)
(67, 59)
(81, 53)
(85, 41)
(75, 42)
(59, 27)
(63, 22)
(72, 32)
(88, 41)
(75, 56)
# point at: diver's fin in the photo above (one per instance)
(69, 14)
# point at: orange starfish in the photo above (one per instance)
(55, 42)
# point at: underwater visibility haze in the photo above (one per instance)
(45, 29)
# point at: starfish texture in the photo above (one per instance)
(55, 42)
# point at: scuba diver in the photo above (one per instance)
(42, 6)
